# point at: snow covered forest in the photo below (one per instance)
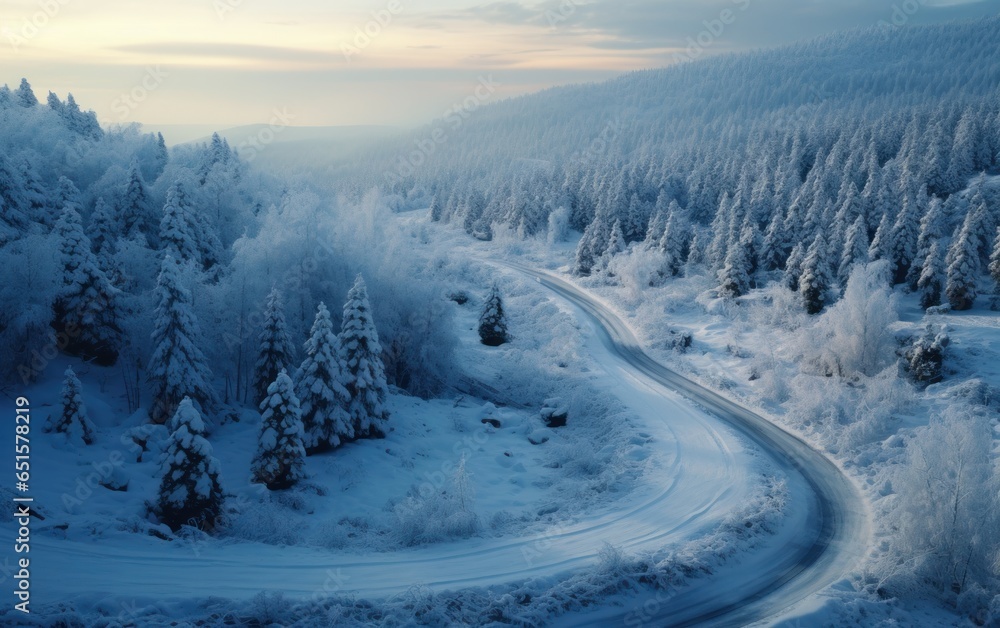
(340, 356)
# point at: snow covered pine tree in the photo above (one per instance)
(280, 459)
(323, 398)
(73, 421)
(493, 321)
(276, 351)
(361, 354)
(190, 493)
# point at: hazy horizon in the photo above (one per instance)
(225, 63)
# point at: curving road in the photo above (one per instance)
(704, 467)
(834, 538)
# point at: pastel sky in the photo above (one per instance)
(232, 62)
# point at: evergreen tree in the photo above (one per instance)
(86, 308)
(855, 249)
(177, 368)
(24, 95)
(275, 351)
(672, 243)
(280, 459)
(102, 228)
(903, 241)
(880, 246)
(815, 280)
(361, 354)
(176, 234)
(932, 229)
(320, 388)
(995, 260)
(932, 274)
(793, 267)
(135, 216)
(190, 493)
(963, 265)
(591, 245)
(734, 277)
(616, 245)
(493, 321)
(73, 421)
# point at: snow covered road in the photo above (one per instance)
(707, 473)
(833, 539)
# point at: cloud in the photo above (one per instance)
(246, 52)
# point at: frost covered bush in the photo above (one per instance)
(854, 336)
(431, 514)
(265, 521)
(925, 357)
(637, 269)
(947, 512)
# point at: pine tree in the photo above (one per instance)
(275, 351)
(932, 229)
(493, 321)
(176, 234)
(24, 95)
(73, 421)
(177, 368)
(855, 249)
(963, 266)
(280, 459)
(995, 260)
(793, 267)
(672, 244)
(616, 245)
(932, 273)
(86, 308)
(815, 280)
(361, 354)
(323, 398)
(879, 248)
(102, 229)
(590, 247)
(134, 213)
(734, 277)
(190, 493)
(903, 241)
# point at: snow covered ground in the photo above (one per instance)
(638, 469)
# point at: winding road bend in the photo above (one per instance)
(831, 544)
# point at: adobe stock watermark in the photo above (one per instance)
(714, 28)
(31, 26)
(364, 35)
(902, 12)
(131, 100)
(452, 119)
(565, 10)
(225, 7)
(248, 149)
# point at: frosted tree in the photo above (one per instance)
(275, 350)
(86, 308)
(493, 321)
(855, 249)
(361, 355)
(176, 234)
(616, 245)
(24, 95)
(177, 368)
(135, 216)
(672, 243)
(280, 459)
(102, 228)
(734, 277)
(963, 265)
(323, 398)
(793, 267)
(591, 245)
(190, 493)
(880, 245)
(903, 241)
(932, 229)
(995, 260)
(932, 276)
(815, 282)
(73, 420)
